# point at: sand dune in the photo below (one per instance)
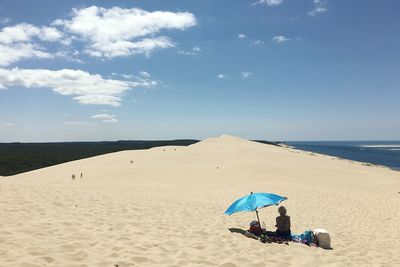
(167, 208)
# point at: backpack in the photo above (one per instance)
(322, 238)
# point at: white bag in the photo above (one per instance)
(322, 238)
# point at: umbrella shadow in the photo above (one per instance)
(272, 238)
(237, 230)
(243, 232)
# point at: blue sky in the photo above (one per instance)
(269, 69)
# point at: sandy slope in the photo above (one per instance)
(167, 209)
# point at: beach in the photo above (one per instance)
(165, 207)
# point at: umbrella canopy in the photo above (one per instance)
(254, 201)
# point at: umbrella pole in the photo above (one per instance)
(258, 219)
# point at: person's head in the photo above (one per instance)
(254, 224)
(282, 210)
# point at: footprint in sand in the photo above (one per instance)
(139, 259)
(48, 259)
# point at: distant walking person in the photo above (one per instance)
(73, 176)
(81, 175)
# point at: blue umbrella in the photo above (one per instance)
(253, 202)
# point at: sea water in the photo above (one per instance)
(386, 153)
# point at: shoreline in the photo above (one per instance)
(348, 157)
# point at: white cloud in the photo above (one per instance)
(80, 123)
(142, 77)
(195, 50)
(280, 39)
(221, 76)
(187, 53)
(104, 33)
(20, 42)
(50, 34)
(320, 6)
(69, 56)
(16, 52)
(122, 32)
(245, 74)
(257, 42)
(269, 2)
(25, 32)
(127, 76)
(107, 118)
(84, 87)
(144, 74)
(102, 116)
(242, 36)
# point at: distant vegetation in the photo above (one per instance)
(22, 157)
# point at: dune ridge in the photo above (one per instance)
(164, 207)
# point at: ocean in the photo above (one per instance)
(386, 153)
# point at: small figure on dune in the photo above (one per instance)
(283, 223)
(217, 168)
(131, 161)
(73, 177)
(81, 175)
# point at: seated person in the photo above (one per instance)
(255, 228)
(283, 223)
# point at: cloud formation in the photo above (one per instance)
(84, 87)
(26, 32)
(117, 31)
(257, 42)
(269, 2)
(16, 52)
(320, 6)
(221, 76)
(80, 123)
(104, 33)
(107, 118)
(20, 42)
(245, 74)
(195, 50)
(280, 39)
(242, 36)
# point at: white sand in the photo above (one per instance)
(167, 208)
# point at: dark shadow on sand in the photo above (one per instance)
(237, 230)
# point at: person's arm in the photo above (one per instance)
(250, 235)
(289, 223)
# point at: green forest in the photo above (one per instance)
(22, 157)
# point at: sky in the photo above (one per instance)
(281, 70)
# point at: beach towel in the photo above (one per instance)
(307, 237)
